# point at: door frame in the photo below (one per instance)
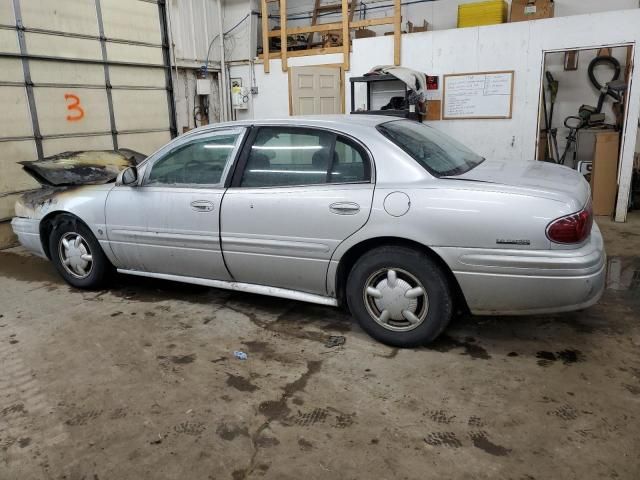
(339, 66)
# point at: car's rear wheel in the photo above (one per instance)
(77, 255)
(399, 296)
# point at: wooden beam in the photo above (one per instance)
(345, 35)
(314, 21)
(306, 52)
(352, 10)
(265, 35)
(325, 27)
(372, 22)
(283, 34)
(397, 31)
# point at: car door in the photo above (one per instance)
(169, 223)
(296, 194)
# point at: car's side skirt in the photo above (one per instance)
(241, 287)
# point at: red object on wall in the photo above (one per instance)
(432, 82)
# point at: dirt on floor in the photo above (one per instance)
(140, 381)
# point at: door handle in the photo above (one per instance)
(344, 208)
(202, 205)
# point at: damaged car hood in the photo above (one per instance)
(89, 167)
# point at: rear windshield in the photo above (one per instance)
(438, 153)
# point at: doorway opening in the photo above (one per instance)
(582, 115)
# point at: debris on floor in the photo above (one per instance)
(240, 355)
(335, 341)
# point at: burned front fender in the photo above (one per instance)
(38, 211)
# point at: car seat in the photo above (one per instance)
(255, 174)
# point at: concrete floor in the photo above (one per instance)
(139, 381)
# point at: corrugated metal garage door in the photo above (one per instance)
(80, 75)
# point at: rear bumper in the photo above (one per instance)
(28, 232)
(520, 282)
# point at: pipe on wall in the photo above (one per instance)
(224, 87)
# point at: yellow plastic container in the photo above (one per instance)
(482, 13)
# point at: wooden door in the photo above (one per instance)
(315, 90)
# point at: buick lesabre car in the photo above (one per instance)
(384, 216)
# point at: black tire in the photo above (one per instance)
(411, 266)
(100, 268)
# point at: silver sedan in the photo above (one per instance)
(387, 217)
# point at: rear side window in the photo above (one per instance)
(349, 163)
(438, 153)
(284, 156)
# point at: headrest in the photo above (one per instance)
(259, 161)
(320, 159)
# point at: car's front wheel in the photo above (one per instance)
(77, 255)
(399, 296)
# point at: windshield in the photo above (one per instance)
(438, 153)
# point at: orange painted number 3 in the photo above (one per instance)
(73, 105)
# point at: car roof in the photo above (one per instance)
(339, 122)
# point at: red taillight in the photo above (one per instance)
(573, 228)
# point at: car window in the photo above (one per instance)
(438, 153)
(349, 164)
(284, 156)
(200, 162)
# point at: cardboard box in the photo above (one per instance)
(412, 28)
(523, 10)
(365, 33)
(332, 39)
(604, 176)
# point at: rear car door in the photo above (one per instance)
(296, 194)
(169, 224)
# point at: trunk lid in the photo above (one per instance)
(89, 167)
(541, 179)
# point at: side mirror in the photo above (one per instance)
(128, 176)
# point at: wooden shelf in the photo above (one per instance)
(345, 25)
(306, 52)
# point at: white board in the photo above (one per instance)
(477, 95)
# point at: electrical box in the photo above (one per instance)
(203, 86)
(240, 98)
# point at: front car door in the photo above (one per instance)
(296, 194)
(169, 224)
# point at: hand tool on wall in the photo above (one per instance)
(552, 141)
